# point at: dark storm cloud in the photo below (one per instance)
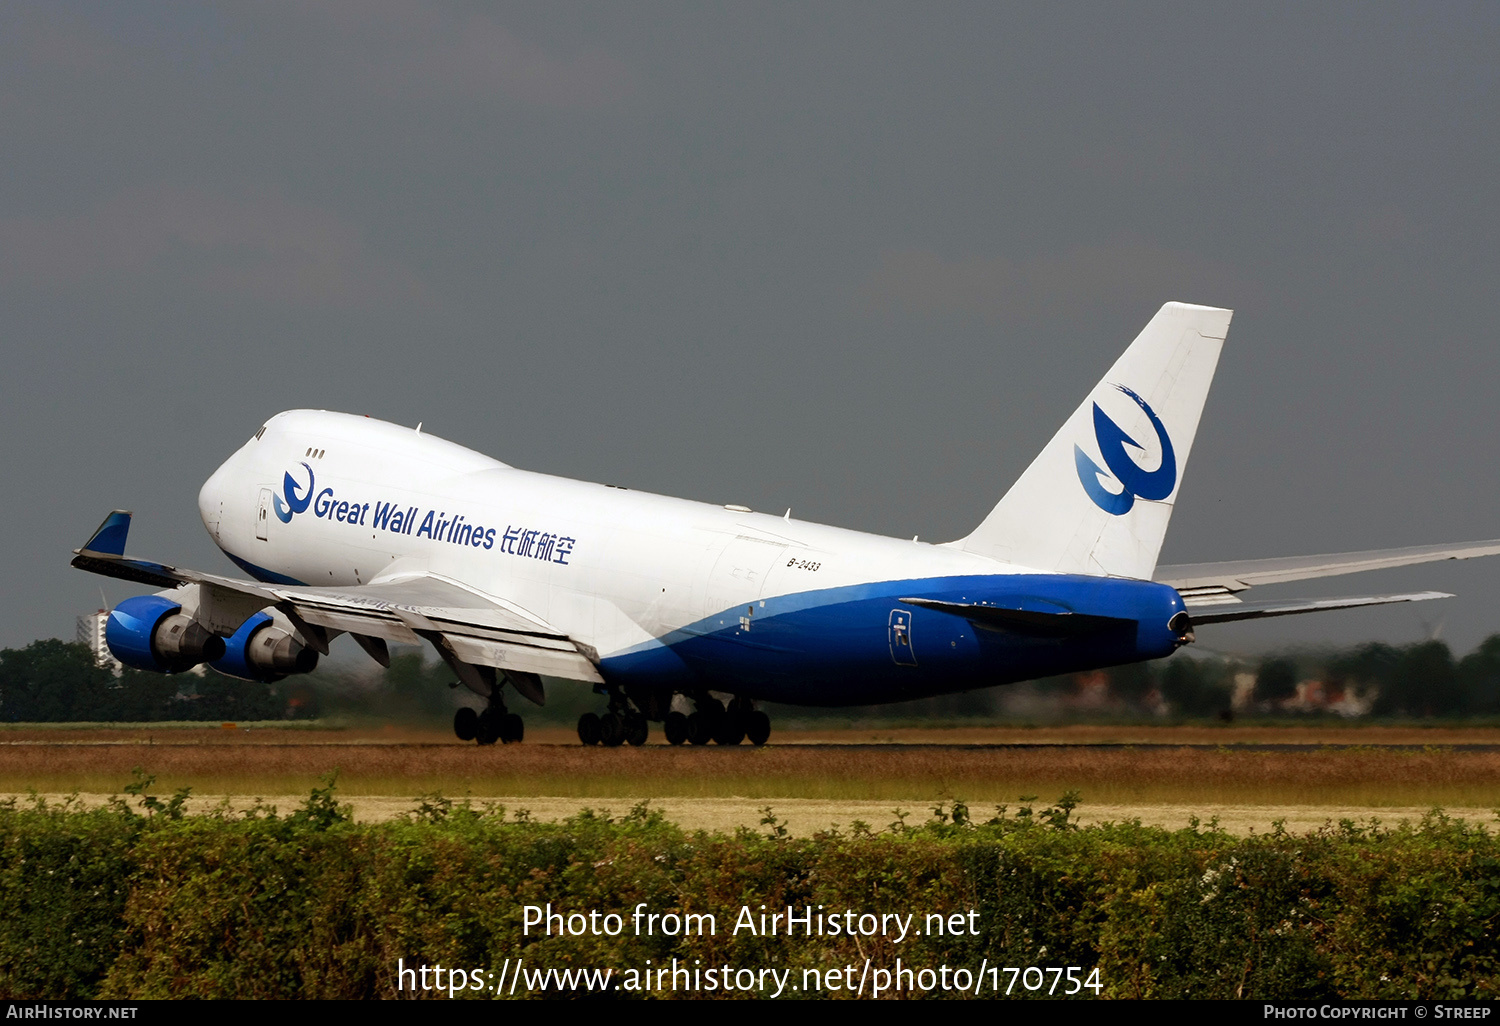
(858, 259)
(260, 247)
(1099, 278)
(392, 48)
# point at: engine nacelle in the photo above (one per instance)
(150, 632)
(264, 650)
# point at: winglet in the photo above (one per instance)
(109, 539)
(104, 553)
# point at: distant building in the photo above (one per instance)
(91, 633)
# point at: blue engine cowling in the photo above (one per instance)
(150, 632)
(261, 651)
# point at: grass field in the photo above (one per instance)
(861, 772)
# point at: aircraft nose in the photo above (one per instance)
(211, 499)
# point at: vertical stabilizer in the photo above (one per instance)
(1098, 498)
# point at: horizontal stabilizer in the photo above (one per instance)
(1024, 621)
(1240, 611)
(1208, 580)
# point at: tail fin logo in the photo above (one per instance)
(295, 503)
(1135, 483)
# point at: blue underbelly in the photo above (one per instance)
(861, 645)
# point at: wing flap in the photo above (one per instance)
(363, 622)
(524, 658)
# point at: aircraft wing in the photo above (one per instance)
(1210, 584)
(468, 625)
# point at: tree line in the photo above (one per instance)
(1419, 680)
(54, 681)
(1423, 679)
(57, 681)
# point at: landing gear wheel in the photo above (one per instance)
(489, 727)
(676, 728)
(611, 730)
(589, 729)
(637, 730)
(700, 729)
(731, 729)
(466, 724)
(512, 728)
(757, 728)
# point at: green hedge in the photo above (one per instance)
(117, 903)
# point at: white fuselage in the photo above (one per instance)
(612, 567)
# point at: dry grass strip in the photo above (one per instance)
(805, 817)
(1152, 775)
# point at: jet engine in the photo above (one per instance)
(266, 650)
(150, 632)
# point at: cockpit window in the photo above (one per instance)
(260, 432)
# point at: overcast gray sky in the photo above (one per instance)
(857, 259)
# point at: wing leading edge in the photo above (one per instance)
(467, 626)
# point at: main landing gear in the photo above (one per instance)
(622, 724)
(495, 723)
(710, 721)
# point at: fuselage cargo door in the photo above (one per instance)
(899, 629)
(738, 576)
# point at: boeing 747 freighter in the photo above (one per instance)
(690, 614)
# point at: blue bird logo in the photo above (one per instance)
(295, 503)
(1135, 483)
